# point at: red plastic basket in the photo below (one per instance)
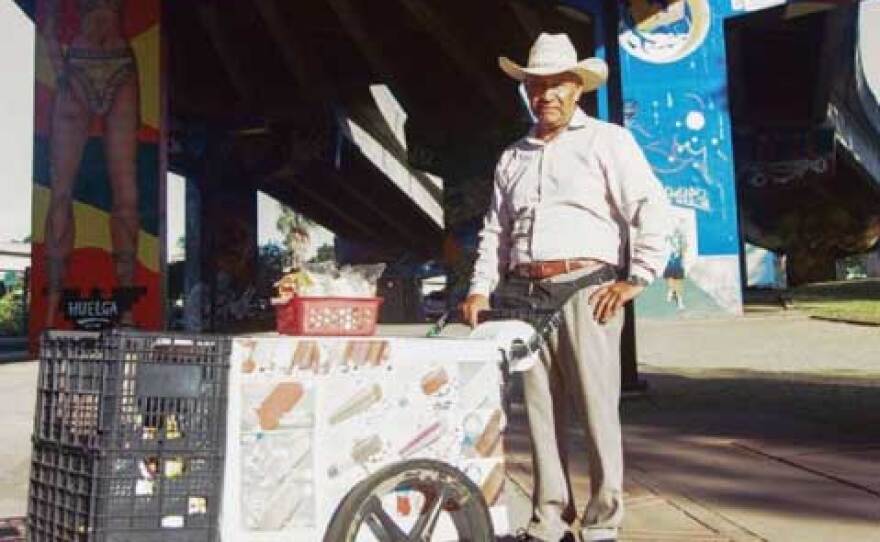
(325, 316)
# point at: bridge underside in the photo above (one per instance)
(271, 89)
(805, 145)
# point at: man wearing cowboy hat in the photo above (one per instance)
(568, 200)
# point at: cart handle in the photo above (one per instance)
(449, 317)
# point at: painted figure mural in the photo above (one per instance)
(675, 104)
(96, 164)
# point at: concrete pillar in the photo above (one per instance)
(228, 244)
(97, 256)
(676, 106)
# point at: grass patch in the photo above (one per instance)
(855, 300)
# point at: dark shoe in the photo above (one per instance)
(523, 536)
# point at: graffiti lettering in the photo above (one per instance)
(232, 307)
(761, 174)
(690, 196)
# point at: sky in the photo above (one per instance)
(17, 116)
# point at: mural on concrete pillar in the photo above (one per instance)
(230, 227)
(675, 103)
(96, 257)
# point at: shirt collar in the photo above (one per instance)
(578, 120)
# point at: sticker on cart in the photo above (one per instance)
(283, 398)
(434, 381)
(172, 428)
(356, 404)
(493, 484)
(362, 451)
(277, 473)
(172, 522)
(149, 468)
(359, 353)
(144, 488)
(249, 364)
(307, 356)
(255, 356)
(424, 438)
(174, 468)
(197, 505)
(270, 405)
(481, 432)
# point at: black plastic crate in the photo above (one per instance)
(83, 496)
(132, 391)
(62, 492)
(171, 394)
(129, 437)
(75, 388)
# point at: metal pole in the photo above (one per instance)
(608, 23)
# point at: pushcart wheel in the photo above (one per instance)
(363, 513)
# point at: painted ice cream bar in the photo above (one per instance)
(359, 403)
(434, 380)
(423, 439)
(280, 401)
(491, 435)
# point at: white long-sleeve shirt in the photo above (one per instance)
(580, 195)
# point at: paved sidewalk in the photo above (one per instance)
(755, 428)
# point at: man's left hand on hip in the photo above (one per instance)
(608, 299)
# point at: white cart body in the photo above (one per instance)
(310, 417)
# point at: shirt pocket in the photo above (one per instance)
(523, 182)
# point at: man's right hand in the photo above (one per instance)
(471, 308)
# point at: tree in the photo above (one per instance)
(272, 259)
(296, 229)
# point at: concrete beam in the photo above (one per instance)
(287, 181)
(455, 47)
(396, 171)
(381, 139)
(353, 24)
(220, 39)
(313, 80)
(528, 18)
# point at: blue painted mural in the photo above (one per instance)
(674, 80)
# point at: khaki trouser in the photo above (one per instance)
(580, 368)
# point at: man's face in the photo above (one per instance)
(553, 98)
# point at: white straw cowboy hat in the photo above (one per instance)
(552, 54)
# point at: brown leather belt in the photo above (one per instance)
(550, 268)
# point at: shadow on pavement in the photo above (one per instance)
(760, 447)
(791, 444)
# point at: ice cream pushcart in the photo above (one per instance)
(373, 438)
